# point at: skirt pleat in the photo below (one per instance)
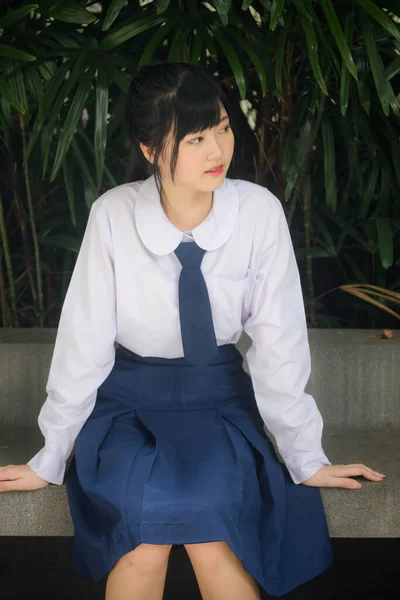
(175, 454)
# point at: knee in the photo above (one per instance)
(146, 558)
(208, 554)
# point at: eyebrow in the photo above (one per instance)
(223, 119)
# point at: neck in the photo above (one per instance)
(185, 205)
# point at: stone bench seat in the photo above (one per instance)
(369, 512)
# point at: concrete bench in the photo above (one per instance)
(355, 381)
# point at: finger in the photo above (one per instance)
(8, 474)
(357, 472)
(359, 466)
(8, 486)
(343, 482)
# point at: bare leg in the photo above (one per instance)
(140, 574)
(220, 574)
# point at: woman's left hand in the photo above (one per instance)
(338, 476)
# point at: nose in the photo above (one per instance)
(215, 149)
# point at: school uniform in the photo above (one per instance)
(169, 449)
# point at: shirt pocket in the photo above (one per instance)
(230, 295)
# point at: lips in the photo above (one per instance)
(216, 168)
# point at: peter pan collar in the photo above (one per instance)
(162, 237)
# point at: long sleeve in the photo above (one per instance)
(279, 358)
(84, 352)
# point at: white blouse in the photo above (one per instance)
(124, 288)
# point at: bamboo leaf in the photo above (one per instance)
(113, 11)
(72, 119)
(71, 12)
(338, 36)
(280, 54)
(254, 58)
(392, 69)
(15, 53)
(233, 60)
(223, 8)
(197, 48)
(363, 87)
(89, 186)
(178, 45)
(369, 190)
(69, 187)
(62, 240)
(129, 29)
(385, 241)
(345, 73)
(378, 15)
(161, 6)
(8, 94)
(329, 165)
(375, 62)
(312, 47)
(155, 42)
(276, 13)
(100, 130)
(17, 15)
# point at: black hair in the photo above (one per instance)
(171, 96)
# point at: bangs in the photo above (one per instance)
(197, 107)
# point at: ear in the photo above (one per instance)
(148, 152)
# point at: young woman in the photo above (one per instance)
(147, 383)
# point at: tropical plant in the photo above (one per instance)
(314, 88)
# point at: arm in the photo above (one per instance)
(84, 351)
(279, 358)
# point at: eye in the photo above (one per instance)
(194, 140)
(227, 128)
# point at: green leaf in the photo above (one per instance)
(254, 57)
(385, 241)
(223, 8)
(276, 13)
(129, 29)
(178, 45)
(375, 62)
(338, 35)
(369, 191)
(161, 6)
(392, 69)
(17, 15)
(55, 86)
(72, 119)
(329, 165)
(89, 186)
(345, 73)
(34, 86)
(197, 48)
(100, 130)
(71, 12)
(312, 47)
(233, 60)
(69, 187)
(17, 85)
(15, 53)
(8, 94)
(363, 86)
(155, 42)
(116, 75)
(113, 11)
(62, 240)
(378, 15)
(280, 54)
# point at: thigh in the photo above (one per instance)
(209, 553)
(146, 556)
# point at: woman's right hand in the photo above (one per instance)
(20, 477)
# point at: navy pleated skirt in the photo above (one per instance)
(176, 454)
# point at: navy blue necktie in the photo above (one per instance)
(197, 327)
